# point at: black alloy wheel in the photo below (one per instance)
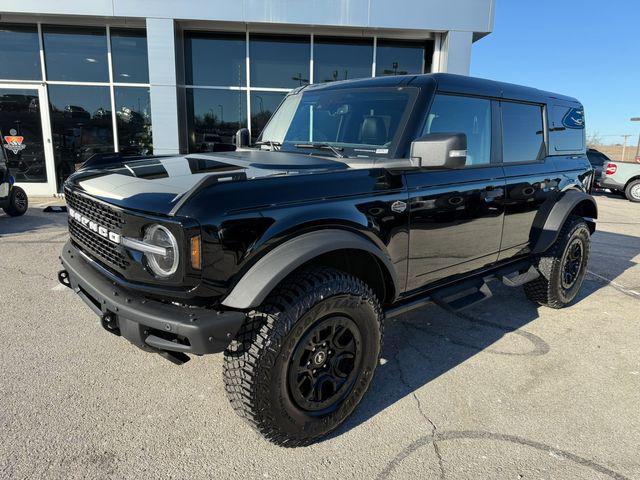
(324, 364)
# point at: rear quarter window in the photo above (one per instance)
(566, 131)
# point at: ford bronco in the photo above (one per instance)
(360, 200)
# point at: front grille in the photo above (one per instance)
(89, 241)
(99, 247)
(95, 210)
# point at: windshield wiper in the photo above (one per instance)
(273, 145)
(325, 146)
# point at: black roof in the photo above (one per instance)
(448, 82)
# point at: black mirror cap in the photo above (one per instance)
(439, 150)
(243, 138)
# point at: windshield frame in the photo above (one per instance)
(346, 150)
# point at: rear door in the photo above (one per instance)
(531, 174)
(456, 215)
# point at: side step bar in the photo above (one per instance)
(469, 292)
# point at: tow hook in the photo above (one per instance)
(63, 278)
(110, 323)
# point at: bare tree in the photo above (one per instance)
(594, 139)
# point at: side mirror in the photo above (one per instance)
(243, 138)
(439, 150)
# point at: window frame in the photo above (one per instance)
(545, 131)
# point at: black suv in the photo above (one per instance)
(361, 200)
(13, 199)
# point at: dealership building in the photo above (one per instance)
(144, 77)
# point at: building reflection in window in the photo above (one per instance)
(20, 117)
(133, 117)
(263, 105)
(341, 58)
(213, 117)
(81, 124)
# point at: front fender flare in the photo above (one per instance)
(549, 221)
(271, 269)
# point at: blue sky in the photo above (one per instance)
(587, 49)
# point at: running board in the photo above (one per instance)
(517, 279)
(456, 297)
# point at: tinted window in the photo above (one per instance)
(215, 59)
(522, 132)
(596, 158)
(81, 123)
(471, 116)
(361, 121)
(567, 128)
(279, 61)
(129, 56)
(341, 59)
(133, 116)
(19, 52)
(394, 57)
(76, 53)
(214, 116)
(263, 104)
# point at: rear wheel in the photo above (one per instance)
(563, 267)
(304, 359)
(18, 202)
(632, 192)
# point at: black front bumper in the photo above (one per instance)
(149, 324)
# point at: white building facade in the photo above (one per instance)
(146, 77)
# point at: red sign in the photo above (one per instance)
(638, 159)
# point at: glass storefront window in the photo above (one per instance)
(81, 124)
(213, 117)
(129, 55)
(263, 104)
(76, 53)
(280, 61)
(216, 59)
(399, 57)
(341, 58)
(19, 52)
(21, 134)
(133, 117)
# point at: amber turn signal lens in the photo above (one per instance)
(196, 252)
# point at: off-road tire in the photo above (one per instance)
(18, 202)
(256, 363)
(547, 289)
(632, 191)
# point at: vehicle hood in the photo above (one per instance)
(157, 184)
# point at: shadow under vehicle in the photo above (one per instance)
(361, 200)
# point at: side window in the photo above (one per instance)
(567, 129)
(522, 133)
(471, 116)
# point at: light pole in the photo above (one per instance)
(637, 119)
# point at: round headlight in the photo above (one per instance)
(162, 265)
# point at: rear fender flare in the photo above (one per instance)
(270, 270)
(550, 220)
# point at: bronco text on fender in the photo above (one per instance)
(361, 200)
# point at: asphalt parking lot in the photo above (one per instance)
(503, 390)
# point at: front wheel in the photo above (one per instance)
(18, 202)
(304, 359)
(632, 192)
(563, 267)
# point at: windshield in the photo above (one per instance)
(359, 122)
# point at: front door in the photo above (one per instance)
(26, 138)
(456, 215)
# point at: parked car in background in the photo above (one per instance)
(13, 200)
(622, 178)
(597, 160)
